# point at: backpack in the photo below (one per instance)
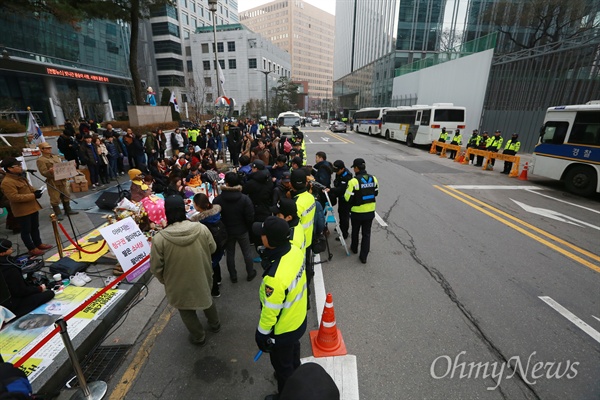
(219, 234)
(14, 384)
(287, 146)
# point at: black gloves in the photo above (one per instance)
(38, 194)
(264, 342)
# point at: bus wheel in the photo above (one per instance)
(370, 134)
(409, 140)
(387, 134)
(581, 180)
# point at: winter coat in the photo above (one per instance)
(88, 154)
(181, 260)
(102, 154)
(16, 285)
(68, 146)
(237, 211)
(20, 195)
(259, 188)
(322, 172)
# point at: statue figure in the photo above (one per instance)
(150, 99)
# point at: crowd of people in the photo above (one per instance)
(269, 203)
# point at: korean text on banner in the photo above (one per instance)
(129, 245)
(65, 170)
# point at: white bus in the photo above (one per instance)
(569, 147)
(422, 124)
(286, 120)
(368, 120)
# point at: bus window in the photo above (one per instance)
(449, 115)
(418, 122)
(426, 117)
(586, 128)
(554, 132)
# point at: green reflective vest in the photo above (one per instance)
(361, 192)
(495, 141)
(443, 137)
(514, 146)
(457, 139)
(305, 203)
(283, 294)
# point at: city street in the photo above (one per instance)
(478, 286)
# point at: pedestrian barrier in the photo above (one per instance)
(328, 340)
(435, 144)
(488, 155)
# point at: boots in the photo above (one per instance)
(57, 212)
(68, 209)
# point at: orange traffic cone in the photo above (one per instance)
(523, 176)
(460, 158)
(328, 341)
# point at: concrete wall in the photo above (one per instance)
(144, 115)
(462, 81)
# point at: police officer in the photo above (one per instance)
(442, 139)
(283, 298)
(340, 183)
(511, 148)
(298, 137)
(495, 144)
(286, 209)
(457, 140)
(473, 143)
(306, 205)
(482, 145)
(361, 193)
(45, 165)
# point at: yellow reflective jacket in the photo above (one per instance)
(361, 192)
(305, 203)
(283, 293)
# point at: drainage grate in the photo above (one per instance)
(102, 363)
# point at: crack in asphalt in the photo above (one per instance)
(474, 324)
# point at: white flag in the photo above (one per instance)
(34, 129)
(173, 100)
(221, 79)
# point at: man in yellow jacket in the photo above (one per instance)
(283, 299)
(361, 193)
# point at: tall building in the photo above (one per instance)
(304, 31)
(50, 66)
(243, 56)
(165, 56)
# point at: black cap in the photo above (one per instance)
(297, 161)
(285, 207)
(5, 244)
(174, 202)
(258, 164)
(310, 381)
(497, 132)
(10, 162)
(286, 176)
(358, 163)
(298, 178)
(275, 229)
(338, 164)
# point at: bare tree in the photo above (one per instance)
(544, 21)
(449, 41)
(197, 90)
(67, 101)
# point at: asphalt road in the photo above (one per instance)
(478, 286)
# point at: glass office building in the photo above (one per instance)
(43, 62)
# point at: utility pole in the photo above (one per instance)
(267, 91)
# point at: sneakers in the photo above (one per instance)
(109, 280)
(256, 260)
(45, 246)
(215, 292)
(36, 252)
(215, 329)
(77, 280)
(84, 277)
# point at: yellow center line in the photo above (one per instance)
(520, 229)
(532, 227)
(338, 137)
(126, 381)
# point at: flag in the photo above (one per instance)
(173, 100)
(34, 129)
(221, 79)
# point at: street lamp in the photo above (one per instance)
(212, 6)
(267, 90)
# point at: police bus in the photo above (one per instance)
(368, 120)
(569, 147)
(287, 120)
(422, 124)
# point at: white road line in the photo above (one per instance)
(380, 220)
(328, 143)
(572, 317)
(382, 141)
(494, 187)
(596, 317)
(566, 202)
(319, 284)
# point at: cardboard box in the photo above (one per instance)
(80, 179)
(79, 187)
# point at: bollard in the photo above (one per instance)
(93, 391)
(59, 245)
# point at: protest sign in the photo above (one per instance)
(65, 170)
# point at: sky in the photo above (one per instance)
(326, 5)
